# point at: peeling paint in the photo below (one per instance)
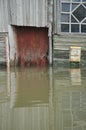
(33, 46)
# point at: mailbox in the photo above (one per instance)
(75, 54)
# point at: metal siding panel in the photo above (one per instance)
(5, 11)
(19, 13)
(39, 13)
(44, 13)
(10, 11)
(14, 12)
(3, 16)
(36, 12)
(1, 20)
(24, 11)
(29, 12)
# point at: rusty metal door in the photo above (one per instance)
(33, 45)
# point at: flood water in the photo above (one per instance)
(43, 98)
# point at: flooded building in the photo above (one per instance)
(69, 27)
(41, 31)
(28, 25)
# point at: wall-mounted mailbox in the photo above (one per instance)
(75, 54)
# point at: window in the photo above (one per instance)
(73, 16)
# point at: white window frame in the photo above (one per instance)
(59, 12)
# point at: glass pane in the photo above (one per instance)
(65, 28)
(84, 21)
(73, 13)
(73, 20)
(76, 0)
(74, 28)
(85, 4)
(83, 28)
(65, 7)
(80, 13)
(65, 0)
(65, 18)
(74, 5)
(83, 0)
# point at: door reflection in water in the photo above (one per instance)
(43, 99)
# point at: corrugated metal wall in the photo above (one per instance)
(36, 13)
(28, 12)
(3, 15)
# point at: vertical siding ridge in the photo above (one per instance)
(26, 12)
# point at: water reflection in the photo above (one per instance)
(75, 76)
(70, 99)
(43, 99)
(30, 87)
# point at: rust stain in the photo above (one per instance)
(33, 44)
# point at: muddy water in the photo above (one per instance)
(43, 99)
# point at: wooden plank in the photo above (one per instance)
(2, 52)
(69, 38)
(64, 42)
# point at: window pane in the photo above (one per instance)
(66, 0)
(74, 28)
(65, 7)
(76, 0)
(84, 21)
(74, 5)
(73, 20)
(65, 28)
(80, 13)
(84, 4)
(73, 16)
(83, 0)
(83, 28)
(65, 18)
